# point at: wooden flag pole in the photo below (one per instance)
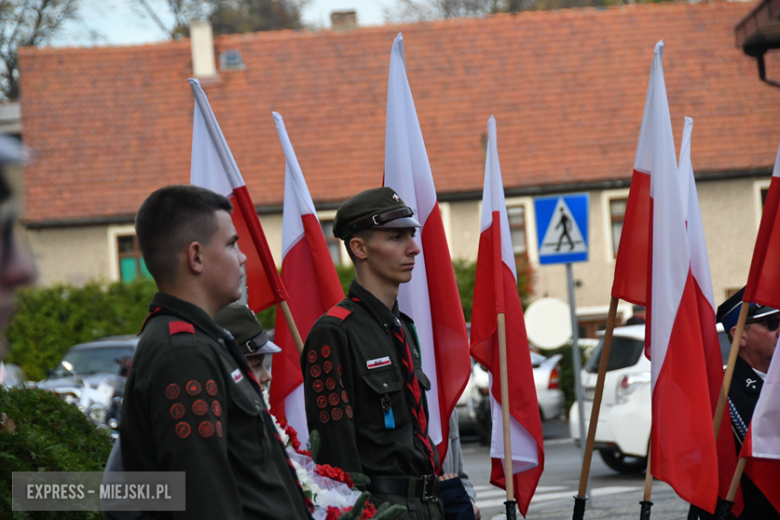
(579, 505)
(644, 513)
(724, 391)
(510, 488)
(288, 317)
(724, 506)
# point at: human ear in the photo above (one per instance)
(195, 257)
(359, 248)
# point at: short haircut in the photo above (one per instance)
(365, 234)
(170, 219)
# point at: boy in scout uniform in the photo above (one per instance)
(364, 386)
(192, 403)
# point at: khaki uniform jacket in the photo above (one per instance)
(190, 407)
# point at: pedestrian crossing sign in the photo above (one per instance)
(562, 228)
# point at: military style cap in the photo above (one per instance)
(375, 208)
(728, 312)
(242, 323)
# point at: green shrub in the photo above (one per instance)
(466, 272)
(50, 320)
(567, 371)
(50, 436)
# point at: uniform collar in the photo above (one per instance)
(189, 312)
(379, 310)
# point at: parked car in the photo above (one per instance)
(623, 430)
(474, 405)
(92, 376)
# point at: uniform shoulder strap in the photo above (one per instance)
(341, 310)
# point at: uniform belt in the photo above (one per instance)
(425, 487)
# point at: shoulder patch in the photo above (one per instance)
(339, 312)
(176, 327)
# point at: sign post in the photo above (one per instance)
(562, 231)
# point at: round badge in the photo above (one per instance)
(330, 383)
(327, 367)
(193, 388)
(173, 391)
(318, 386)
(315, 371)
(200, 407)
(333, 399)
(336, 414)
(348, 411)
(216, 409)
(219, 428)
(211, 388)
(322, 401)
(325, 351)
(177, 411)
(338, 368)
(344, 396)
(183, 430)
(312, 356)
(206, 429)
(324, 417)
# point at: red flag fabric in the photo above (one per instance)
(763, 284)
(495, 290)
(308, 270)
(705, 303)
(683, 450)
(431, 298)
(632, 262)
(213, 167)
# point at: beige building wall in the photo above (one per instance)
(731, 211)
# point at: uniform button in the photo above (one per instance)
(385, 384)
(385, 325)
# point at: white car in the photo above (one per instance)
(623, 430)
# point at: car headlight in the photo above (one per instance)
(97, 414)
(629, 384)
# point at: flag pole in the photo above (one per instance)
(288, 317)
(581, 498)
(510, 503)
(724, 506)
(644, 513)
(724, 391)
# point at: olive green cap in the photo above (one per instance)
(377, 208)
(242, 323)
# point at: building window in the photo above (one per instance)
(589, 326)
(516, 216)
(764, 193)
(131, 263)
(617, 212)
(334, 244)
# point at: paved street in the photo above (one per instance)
(614, 495)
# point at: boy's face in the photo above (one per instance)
(261, 373)
(389, 254)
(223, 262)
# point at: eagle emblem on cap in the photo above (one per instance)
(396, 198)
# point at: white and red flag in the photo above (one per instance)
(764, 279)
(762, 442)
(495, 291)
(705, 300)
(431, 299)
(314, 287)
(683, 451)
(213, 167)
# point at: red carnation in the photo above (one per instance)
(335, 473)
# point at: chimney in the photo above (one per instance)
(343, 20)
(204, 66)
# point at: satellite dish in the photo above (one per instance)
(548, 323)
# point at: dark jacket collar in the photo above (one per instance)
(188, 312)
(378, 309)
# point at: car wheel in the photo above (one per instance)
(623, 463)
(484, 422)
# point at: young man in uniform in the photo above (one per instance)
(192, 403)
(364, 386)
(756, 347)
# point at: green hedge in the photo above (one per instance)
(50, 436)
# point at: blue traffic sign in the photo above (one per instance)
(562, 228)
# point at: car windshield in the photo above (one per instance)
(94, 360)
(625, 352)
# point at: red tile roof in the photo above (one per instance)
(109, 125)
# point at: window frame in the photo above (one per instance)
(329, 216)
(607, 196)
(758, 187)
(531, 247)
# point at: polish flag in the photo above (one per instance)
(431, 299)
(705, 300)
(213, 167)
(684, 453)
(314, 287)
(763, 284)
(762, 442)
(495, 291)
